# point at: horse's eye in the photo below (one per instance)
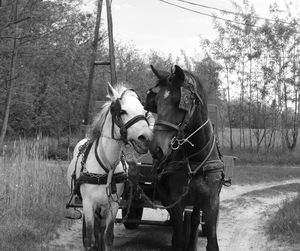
(123, 112)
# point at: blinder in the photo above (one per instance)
(186, 99)
(186, 103)
(115, 108)
(150, 104)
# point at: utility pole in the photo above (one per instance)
(113, 75)
(111, 61)
(92, 64)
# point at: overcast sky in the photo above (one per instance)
(152, 24)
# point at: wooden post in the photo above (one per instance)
(92, 63)
(111, 43)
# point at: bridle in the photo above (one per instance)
(116, 118)
(179, 139)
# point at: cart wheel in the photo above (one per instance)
(135, 213)
(187, 229)
(83, 229)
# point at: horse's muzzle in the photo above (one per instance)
(156, 152)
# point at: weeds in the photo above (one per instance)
(33, 193)
(285, 224)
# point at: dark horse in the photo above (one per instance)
(187, 159)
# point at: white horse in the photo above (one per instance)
(121, 121)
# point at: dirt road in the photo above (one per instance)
(241, 224)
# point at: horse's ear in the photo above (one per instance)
(112, 94)
(179, 75)
(157, 73)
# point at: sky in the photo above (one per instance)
(155, 25)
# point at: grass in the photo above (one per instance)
(33, 194)
(278, 157)
(274, 191)
(251, 174)
(285, 224)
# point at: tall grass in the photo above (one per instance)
(285, 224)
(32, 193)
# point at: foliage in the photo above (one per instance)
(260, 58)
(285, 223)
(50, 69)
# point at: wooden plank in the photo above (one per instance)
(101, 63)
(213, 116)
(229, 165)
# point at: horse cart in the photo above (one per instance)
(140, 191)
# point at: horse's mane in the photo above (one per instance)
(98, 122)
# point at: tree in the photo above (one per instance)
(11, 74)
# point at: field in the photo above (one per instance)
(277, 156)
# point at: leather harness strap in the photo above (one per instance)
(97, 179)
(98, 158)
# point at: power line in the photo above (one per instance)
(213, 16)
(229, 12)
(209, 15)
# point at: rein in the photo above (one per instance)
(176, 143)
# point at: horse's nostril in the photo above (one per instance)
(158, 153)
(142, 138)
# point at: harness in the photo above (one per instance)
(86, 177)
(192, 168)
(189, 101)
(109, 177)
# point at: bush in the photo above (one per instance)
(285, 224)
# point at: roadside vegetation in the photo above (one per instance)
(33, 194)
(285, 224)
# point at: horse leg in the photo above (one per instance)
(176, 214)
(110, 220)
(211, 211)
(89, 238)
(195, 220)
(99, 227)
